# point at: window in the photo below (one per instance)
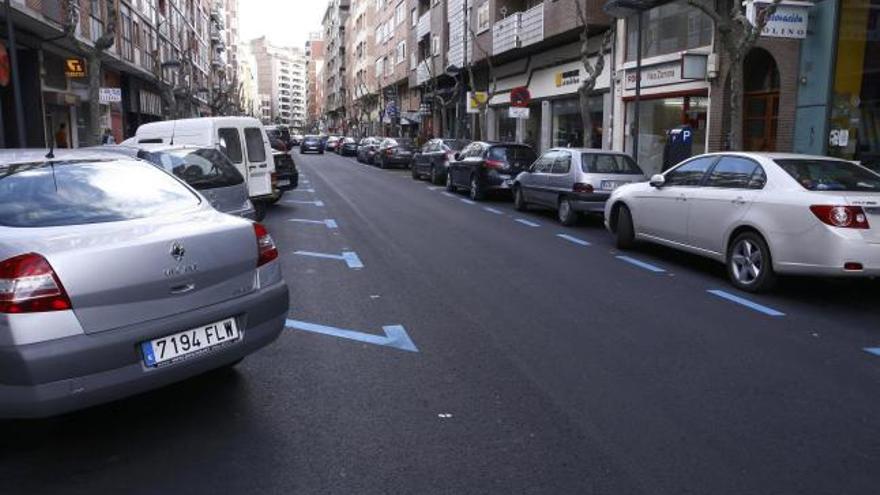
(670, 28)
(545, 163)
(483, 21)
(562, 164)
(830, 175)
(736, 173)
(594, 163)
(53, 194)
(415, 17)
(435, 45)
(400, 14)
(690, 173)
(401, 52)
(520, 155)
(202, 169)
(230, 143)
(256, 149)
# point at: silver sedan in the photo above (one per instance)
(761, 214)
(117, 278)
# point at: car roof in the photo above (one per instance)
(589, 151)
(29, 155)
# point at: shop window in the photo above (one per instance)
(568, 127)
(670, 28)
(656, 118)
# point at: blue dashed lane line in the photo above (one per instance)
(493, 210)
(745, 302)
(641, 264)
(573, 239)
(527, 223)
(873, 350)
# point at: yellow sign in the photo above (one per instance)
(75, 68)
(568, 77)
(475, 100)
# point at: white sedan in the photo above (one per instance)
(761, 214)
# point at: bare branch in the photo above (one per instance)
(709, 11)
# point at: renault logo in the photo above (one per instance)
(177, 251)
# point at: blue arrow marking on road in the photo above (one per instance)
(302, 202)
(330, 223)
(526, 222)
(873, 350)
(745, 302)
(573, 239)
(395, 335)
(493, 210)
(641, 264)
(349, 257)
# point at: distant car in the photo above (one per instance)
(311, 144)
(574, 181)
(286, 176)
(133, 280)
(349, 147)
(295, 139)
(279, 137)
(207, 170)
(761, 214)
(331, 143)
(483, 167)
(367, 149)
(394, 151)
(434, 157)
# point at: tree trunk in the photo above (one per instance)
(735, 77)
(444, 113)
(95, 131)
(484, 123)
(586, 117)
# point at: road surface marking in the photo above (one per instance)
(873, 350)
(349, 257)
(330, 223)
(435, 188)
(527, 222)
(574, 239)
(448, 194)
(395, 335)
(641, 264)
(466, 201)
(303, 202)
(302, 190)
(493, 210)
(745, 302)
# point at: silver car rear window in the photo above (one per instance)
(52, 194)
(597, 163)
(830, 175)
(203, 169)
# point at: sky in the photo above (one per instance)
(285, 22)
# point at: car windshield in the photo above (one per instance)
(52, 194)
(830, 175)
(513, 154)
(202, 169)
(455, 144)
(600, 163)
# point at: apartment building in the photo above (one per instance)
(315, 82)
(335, 91)
(281, 75)
(362, 103)
(395, 20)
(160, 64)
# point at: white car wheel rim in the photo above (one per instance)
(747, 262)
(564, 210)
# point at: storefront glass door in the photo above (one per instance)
(657, 117)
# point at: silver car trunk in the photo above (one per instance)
(124, 273)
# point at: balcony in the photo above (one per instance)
(518, 30)
(423, 72)
(423, 28)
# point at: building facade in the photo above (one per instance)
(315, 82)
(335, 49)
(281, 75)
(362, 97)
(163, 63)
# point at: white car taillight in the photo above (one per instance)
(28, 284)
(265, 245)
(847, 217)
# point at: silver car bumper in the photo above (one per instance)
(58, 376)
(824, 251)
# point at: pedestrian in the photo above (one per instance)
(61, 136)
(108, 137)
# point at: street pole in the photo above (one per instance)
(16, 87)
(635, 126)
(464, 61)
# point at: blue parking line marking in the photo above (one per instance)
(434, 188)
(303, 202)
(466, 201)
(330, 223)
(493, 210)
(395, 335)
(641, 264)
(304, 190)
(574, 239)
(745, 302)
(873, 350)
(448, 194)
(526, 222)
(349, 257)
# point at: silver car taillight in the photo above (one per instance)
(28, 284)
(265, 245)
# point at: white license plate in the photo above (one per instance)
(178, 346)
(610, 185)
(282, 183)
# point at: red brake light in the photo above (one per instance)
(265, 245)
(496, 164)
(847, 217)
(28, 284)
(389, 151)
(581, 187)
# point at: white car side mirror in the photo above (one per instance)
(658, 180)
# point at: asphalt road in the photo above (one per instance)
(526, 363)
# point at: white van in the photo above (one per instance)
(241, 139)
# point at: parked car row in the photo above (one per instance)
(121, 271)
(761, 214)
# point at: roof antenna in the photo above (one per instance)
(51, 154)
(173, 130)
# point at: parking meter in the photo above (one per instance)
(679, 146)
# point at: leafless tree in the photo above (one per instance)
(482, 106)
(736, 36)
(432, 87)
(95, 54)
(591, 71)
